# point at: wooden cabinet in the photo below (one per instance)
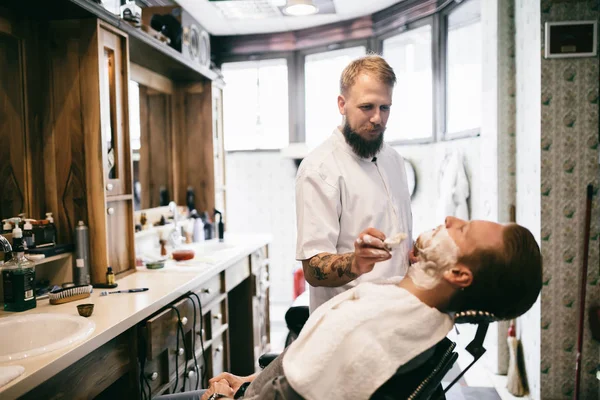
(170, 351)
(110, 371)
(219, 147)
(113, 60)
(249, 315)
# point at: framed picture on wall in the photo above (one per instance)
(571, 39)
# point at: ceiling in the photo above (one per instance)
(218, 20)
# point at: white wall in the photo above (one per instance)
(528, 137)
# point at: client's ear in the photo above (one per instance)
(459, 276)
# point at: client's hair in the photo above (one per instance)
(506, 281)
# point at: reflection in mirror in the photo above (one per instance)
(151, 143)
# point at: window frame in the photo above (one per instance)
(431, 20)
(442, 17)
(418, 13)
(289, 57)
(301, 88)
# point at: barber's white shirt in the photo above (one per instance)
(338, 195)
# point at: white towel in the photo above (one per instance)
(453, 188)
(9, 373)
(357, 340)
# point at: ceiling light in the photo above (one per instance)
(300, 8)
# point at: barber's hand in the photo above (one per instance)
(234, 381)
(368, 250)
(221, 387)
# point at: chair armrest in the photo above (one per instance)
(266, 359)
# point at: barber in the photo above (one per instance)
(351, 181)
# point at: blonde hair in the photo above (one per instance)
(372, 64)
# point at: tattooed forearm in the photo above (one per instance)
(330, 269)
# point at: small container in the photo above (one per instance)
(110, 276)
(85, 310)
(155, 264)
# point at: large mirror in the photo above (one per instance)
(151, 135)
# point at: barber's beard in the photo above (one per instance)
(436, 252)
(363, 147)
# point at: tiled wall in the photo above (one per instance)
(261, 198)
(569, 162)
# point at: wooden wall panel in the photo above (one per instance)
(13, 154)
(121, 246)
(143, 166)
(65, 149)
(159, 161)
(194, 146)
(156, 164)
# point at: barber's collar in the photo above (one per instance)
(339, 136)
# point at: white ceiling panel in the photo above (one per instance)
(218, 22)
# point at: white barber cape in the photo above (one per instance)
(356, 341)
(338, 195)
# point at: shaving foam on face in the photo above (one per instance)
(437, 252)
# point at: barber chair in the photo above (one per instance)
(421, 378)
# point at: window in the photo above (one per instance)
(255, 105)
(409, 54)
(463, 69)
(322, 72)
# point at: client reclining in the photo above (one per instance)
(356, 341)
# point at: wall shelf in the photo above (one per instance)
(53, 258)
(144, 49)
(150, 52)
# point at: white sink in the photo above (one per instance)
(29, 335)
(212, 247)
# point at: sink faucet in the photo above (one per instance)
(175, 238)
(5, 245)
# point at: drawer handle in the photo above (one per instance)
(153, 376)
(109, 187)
(217, 317)
(191, 374)
(201, 332)
(180, 351)
(219, 349)
(207, 291)
(110, 211)
(184, 321)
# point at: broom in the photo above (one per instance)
(514, 381)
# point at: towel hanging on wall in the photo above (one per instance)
(453, 187)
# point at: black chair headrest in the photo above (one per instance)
(474, 317)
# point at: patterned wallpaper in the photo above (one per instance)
(569, 157)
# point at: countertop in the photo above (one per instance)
(114, 314)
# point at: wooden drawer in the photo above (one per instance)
(218, 356)
(218, 317)
(235, 274)
(156, 373)
(259, 259)
(210, 289)
(161, 330)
